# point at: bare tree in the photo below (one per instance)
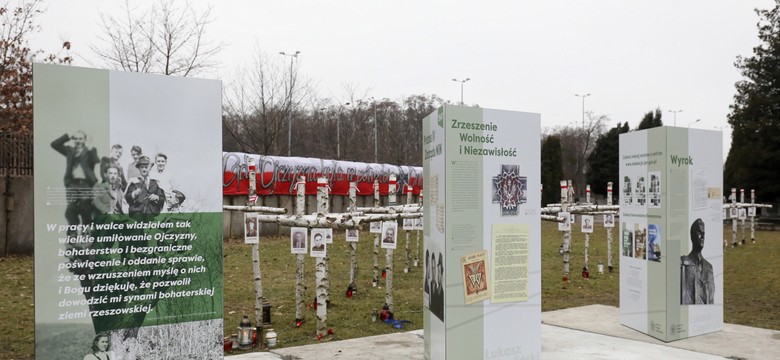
(265, 96)
(167, 39)
(577, 142)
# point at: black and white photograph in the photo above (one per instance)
(251, 230)
(609, 220)
(627, 191)
(353, 235)
(742, 214)
(640, 192)
(418, 223)
(375, 227)
(389, 234)
(587, 224)
(751, 211)
(298, 240)
(627, 243)
(408, 224)
(318, 246)
(435, 279)
(733, 213)
(697, 279)
(655, 189)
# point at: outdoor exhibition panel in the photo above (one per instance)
(482, 284)
(671, 228)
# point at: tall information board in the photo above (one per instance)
(128, 215)
(671, 228)
(482, 287)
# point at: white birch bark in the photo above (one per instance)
(587, 235)
(376, 237)
(321, 266)
(257, 275)
(353, 264)
(733, 220)
(742, 221)
(254, 208)
(300, 296)
(609, 230)
(408, 251)
(753, 218)
(389, 254)
(566, 234)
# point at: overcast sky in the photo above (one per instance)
(529, 55)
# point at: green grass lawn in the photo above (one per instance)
(751, 286)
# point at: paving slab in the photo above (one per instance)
(587, 332)
(734, 342)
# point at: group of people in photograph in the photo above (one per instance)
(434, 283)
(145, 188)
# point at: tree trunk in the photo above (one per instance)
(300, 209)
(322, 273)
(376, 237)
(353, 264)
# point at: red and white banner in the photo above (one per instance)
(277, 175)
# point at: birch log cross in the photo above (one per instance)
(585, 273)
(353, 264)
(610, 265)
(321, 267)
(408, 252)
(258, 278)
(566, 233)
(376, 237)
(391, 199)
(300, 209)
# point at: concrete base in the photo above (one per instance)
(588, 332)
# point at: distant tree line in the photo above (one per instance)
(269, 100)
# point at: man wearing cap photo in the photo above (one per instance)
(144, 195)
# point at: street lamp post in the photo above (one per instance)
(675, 115)
(693, 122)
(289, 114)
(583, 107)
(338, 132)
(376, 139)
(461, 87)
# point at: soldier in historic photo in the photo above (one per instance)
(697, 280)
(80, 161)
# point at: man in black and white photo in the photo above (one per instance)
(132, 169)
(113, 160)
(298, 240)
(143, 195)
(697, 280)
(80, 161)
(108, 194)
(317, 243)
(389, 235)
(160, 173)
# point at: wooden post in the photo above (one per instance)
(753, 218)
(353, 264)
(408, 251)
(258, 277)
(389, 255)
(321, 266)
(609, 230)
(300, 296)
(566, 233)
(376, 237)
(742, 221)
(734, 219)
